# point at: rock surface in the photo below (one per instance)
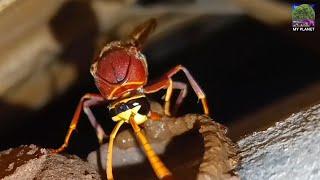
(32, 163)
(288, 150)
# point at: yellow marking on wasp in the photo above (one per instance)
(125, 115)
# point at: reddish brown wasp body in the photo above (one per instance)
(121, 73)
(119, 70)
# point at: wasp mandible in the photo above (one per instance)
(120, 73)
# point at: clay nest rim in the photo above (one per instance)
(192, 147)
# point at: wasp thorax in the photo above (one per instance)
(138, 108)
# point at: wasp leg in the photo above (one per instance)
(167, 83)
(183, 92)
(98, 128)
(160, 169)
(167, 99)
(75, 120)
(109, 153)
(195, 86)
(164, 83)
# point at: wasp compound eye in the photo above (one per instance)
(113, 67)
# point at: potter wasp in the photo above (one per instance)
(120, 73)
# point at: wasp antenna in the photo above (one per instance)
(140, 34)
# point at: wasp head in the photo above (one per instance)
(119, 68)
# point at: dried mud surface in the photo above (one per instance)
(32, 163)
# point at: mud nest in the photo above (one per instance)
(192, 146)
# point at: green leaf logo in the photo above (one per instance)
(302, 12)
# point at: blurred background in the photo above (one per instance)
(253, 68)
